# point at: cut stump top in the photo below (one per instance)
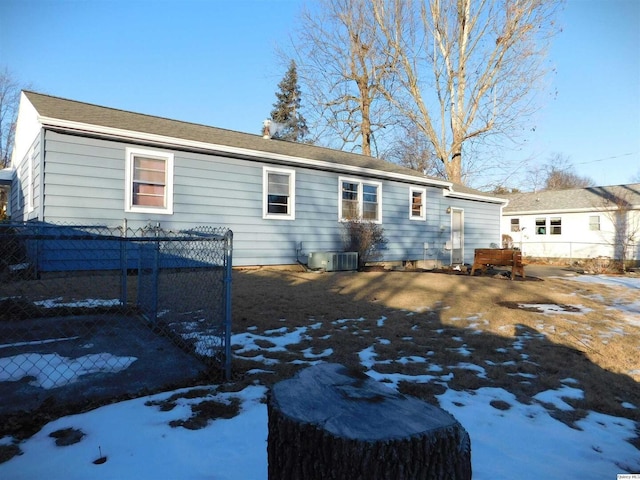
(351, 405)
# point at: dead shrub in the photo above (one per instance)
(366, 238)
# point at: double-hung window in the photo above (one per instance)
(417, 209)
(278, 193)
(594, 222)
(541, 226)
(515, 224)
(149, 181)
(360, 200)
(556, 225)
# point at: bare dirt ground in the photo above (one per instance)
(527, 336)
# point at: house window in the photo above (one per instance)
(594, 222)
(515, 224)
(556, 226)
(417, 209)
(279, 193)
(149, 181)
(360, 200)
(541, 226)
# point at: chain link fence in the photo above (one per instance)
(111, 310)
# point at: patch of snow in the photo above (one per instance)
(555, 397)
(482, 373)
(617, 281)
(526, 443)
(552, 308)
(51, 370)
(367, 357)
(325, 353)
(87, 303)
(411, 359)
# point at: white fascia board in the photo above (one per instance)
(118, 133)
(472, 196)
(27, 130)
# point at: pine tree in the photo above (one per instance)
(289, 122)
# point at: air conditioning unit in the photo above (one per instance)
(333, 261)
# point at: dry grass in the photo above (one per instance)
(453, 321)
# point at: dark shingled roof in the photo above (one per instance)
(589, 198)
(85, 113)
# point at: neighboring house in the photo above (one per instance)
(77, 163)
(576, 223)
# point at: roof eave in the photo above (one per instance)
(471, 196)
(123, 134)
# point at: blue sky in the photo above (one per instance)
(214, 62)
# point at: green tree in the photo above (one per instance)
(287, 120)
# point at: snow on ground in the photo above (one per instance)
(516, 440)
(50, 370)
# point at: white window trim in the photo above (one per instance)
(128, 189)
(265, 194)
(551, 225)
(360, 183)
(423, 194)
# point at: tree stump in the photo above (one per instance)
(331, 423)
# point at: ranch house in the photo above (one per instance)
(81, 164)
(578, 223)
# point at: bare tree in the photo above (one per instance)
(468, 68)
(9, 101)
(342, 68)
(560, 174)
(413, 150)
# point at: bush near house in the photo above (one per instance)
(366, 238)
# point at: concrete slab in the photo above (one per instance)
(145, 361)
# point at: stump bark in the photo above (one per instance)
(331, 423)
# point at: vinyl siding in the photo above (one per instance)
(576, 240)
(22, 189)
(85, 184)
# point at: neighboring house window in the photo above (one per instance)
(515, 224)
(541, 226)
(556, 226)
(278, 193)
(594, 222)
(417, 204)
(149, 181)
(360, 200)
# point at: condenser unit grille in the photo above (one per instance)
(333, 261)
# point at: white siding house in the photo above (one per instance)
(576, 223)
(77, 163)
